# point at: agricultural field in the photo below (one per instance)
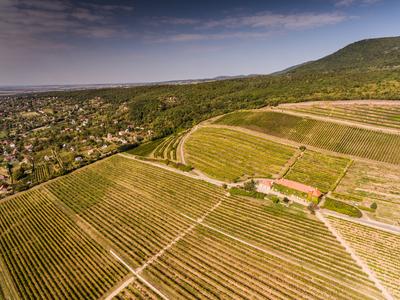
(42, 172)
(231, 155)
(331, 136)
(366, 183)
(117, 188)
(318, 170)
(168, 148)
(47, 256)
(379, 249)
(185, 237)
(375, 114)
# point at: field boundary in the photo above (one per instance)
(154, 289)
(371, 274)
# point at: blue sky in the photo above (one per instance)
(98, 41)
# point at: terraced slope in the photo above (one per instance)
(318, 170)
(366, 183)
(231, 155)
(47, 256)
(379, 249)
(376, 115)
(325, 135)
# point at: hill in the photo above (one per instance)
(369, 54)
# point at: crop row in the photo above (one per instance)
(167, 149)
(388, 116)
(230, 155)
(305, 240)
(331, 136)
(42, 173)
(318, 170)
(137, 290)
(48, 256)
(208, 265)
(379, 249)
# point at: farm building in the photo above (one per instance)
(309, 192)
(264, 185)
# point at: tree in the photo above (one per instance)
(250, 186)
(10, 171)
(374, 206)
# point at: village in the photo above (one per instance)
(44, 137)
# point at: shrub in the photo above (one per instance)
(374, 206)
(342, 207)
(242, 192)
(302, 148)
(250, 186)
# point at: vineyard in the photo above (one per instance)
(231, 155)
(366, 183)
(167, 149)
(376, 114)
(47, 256)
(117, 188)
(335, 137)
(42, 173)
(318, 170)
(379, 249)
(183, 237)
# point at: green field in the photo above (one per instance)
(379, 249)
(168, 148)
(366, 183)
(318, 170)
(56, 237)
(374, 114)
(335, 137)
(231, 155)
(146, 149)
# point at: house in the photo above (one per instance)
(264, 185)
(312, 192)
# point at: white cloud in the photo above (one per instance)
(270, 20)
(344, 3)
(259, 25)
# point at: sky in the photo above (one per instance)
(125, 41)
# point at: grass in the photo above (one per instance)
(342, 207)
(230, 155)
(242, 192)
(365, 183)
(331, 136)
(145, 149)
(318, 170)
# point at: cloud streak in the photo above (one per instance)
(38, 22)
(258, 25)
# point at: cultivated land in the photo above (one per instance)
(359, 142)
(366, 183)
(379, 249)
(318, 170)
(375, 113)
(45, 255)
(231, 155)
(176, 236)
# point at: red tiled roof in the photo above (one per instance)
(299, 187)
(266, 182)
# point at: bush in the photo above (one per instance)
(374, 206)
(242, 192)
(302, 148)
(342, 207)
(250, 186)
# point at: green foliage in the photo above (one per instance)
(370, 54)
(246, 193)
(374, 206)
(342, 207)
(250, 186)
(146, 148)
